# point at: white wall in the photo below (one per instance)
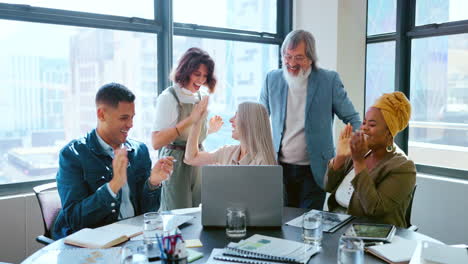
(20, 223)
(440, 208)
(440, 204)
(315, 16)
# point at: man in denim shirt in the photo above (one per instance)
(104, 176)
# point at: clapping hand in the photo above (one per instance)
(215, 124)
(119, 166)
(162, 170)
(343, 148)
(358, 145)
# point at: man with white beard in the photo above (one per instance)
(302, 100)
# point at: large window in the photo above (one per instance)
(49, 87)
(428, 50)
(135, 8)
(254, 15)
(54, 57)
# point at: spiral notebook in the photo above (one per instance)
(217, 257)
(264, 249)
(231, 254)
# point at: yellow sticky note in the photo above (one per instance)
(192, 243)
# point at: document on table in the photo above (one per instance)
(271, 248)
(331, 221)
(78, 256)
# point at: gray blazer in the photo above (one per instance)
(325, 98)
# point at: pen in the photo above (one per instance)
(369, 244)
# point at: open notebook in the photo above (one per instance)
(103, 237)
(116, 233)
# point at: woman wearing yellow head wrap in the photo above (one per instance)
(370, 176)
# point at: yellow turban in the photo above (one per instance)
(396, 110)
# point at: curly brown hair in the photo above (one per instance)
(190, 62)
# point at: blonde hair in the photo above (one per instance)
(255, 131)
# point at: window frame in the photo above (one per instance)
(162, 25)
(406, 31)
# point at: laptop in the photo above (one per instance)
(258, 189)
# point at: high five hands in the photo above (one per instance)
(200, 110)
(215, 124)
(199, 113)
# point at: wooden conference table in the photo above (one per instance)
(216, 238)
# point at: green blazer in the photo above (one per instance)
(382, 195)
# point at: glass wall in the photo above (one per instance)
(49, 89)
(430, 55)
(55, 54)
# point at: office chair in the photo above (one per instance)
(408, 212)
(49, 202)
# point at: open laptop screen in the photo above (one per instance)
(258, 189)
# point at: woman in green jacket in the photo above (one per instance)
(370, 176)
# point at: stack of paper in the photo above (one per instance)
(432, 253)
(399, 251)
(263, 249)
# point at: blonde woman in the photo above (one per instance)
(250, 126)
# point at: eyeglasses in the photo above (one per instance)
(297, 58)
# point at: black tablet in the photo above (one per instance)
(373, 232)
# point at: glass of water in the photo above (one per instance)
(152, 225)
(236, 222)
(152, 222)
(350, 250)
(134, 254)
(312, 228)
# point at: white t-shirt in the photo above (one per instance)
(166, 106)
(345, 190)
(293, 144)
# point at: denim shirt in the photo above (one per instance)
(84, 170)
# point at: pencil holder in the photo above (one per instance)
(173, 260)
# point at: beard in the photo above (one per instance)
(299, 79)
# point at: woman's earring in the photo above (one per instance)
(389, 148)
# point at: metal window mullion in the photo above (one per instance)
(403, 60)
(224, 36)
(442, 171)
(203, 28)
(163, 11)
(431, 30)
(381, 38)
(80, 19)
(284, 18)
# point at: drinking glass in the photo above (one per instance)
(236, 222)
(152, 222)
(152, 225)
(312, 228)
(350, 250)
(134, 254)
